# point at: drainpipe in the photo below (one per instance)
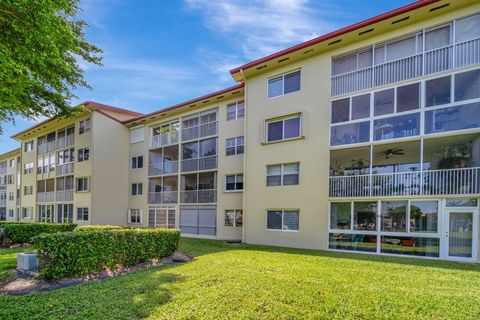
(245, 137)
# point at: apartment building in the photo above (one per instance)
(10, 185)
(367, 139)
(74, 170)
(186, 166)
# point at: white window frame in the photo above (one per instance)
(81, 154)
(83, 209)
(234, 175)
(28, 146)
(234, 211)
(134, 212)
(283, 225)
(85, 184)
(283, 119)
(28, 168)
(27, 213)
(134, 164)
(282, 173)
(236, 144)
(84, 126)
(136, 184)
(282, 75)
(237, 115)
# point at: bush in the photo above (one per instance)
(18, 232)
(80, 253)
(97, 228)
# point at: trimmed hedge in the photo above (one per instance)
(18, 232)
(98, 228)
(81, 253)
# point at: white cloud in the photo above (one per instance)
(262, 27)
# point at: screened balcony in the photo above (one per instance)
(447, 166)
(165, 134)
(200, 125)
(199, 155)
(66, 137)
(163, 161)
(199, 188)
(163, 190)
(428, 51)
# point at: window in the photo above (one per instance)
(284, 84)
(341, 215)
(383, 102)
(437, 38)
(11, 213)
(341, 110)
(28, 146)
(236, 110)
(365, 216)
(283, 174)
(467, 28)
(234, 218)
(11, 196)
(424, 216)
(407, 125)
(10, 179)
(28, 168)
(394, 216)
(82, 184)
(27, 212)
(135, 216)
(408, 97)
(83, 154)
(453, 118)
(137, 135)
(352, 62)
(461, 203)
(137, 189)
(350, 133)
(361, 107)
(82, 214)
(11, 163)
(283, 129)
(84, 126)
(285, 220)
(438, 91)
(27, 190)
(234, 182)
(235, 146)
(137, 162)
(467, 85)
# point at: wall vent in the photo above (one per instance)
(439, 7)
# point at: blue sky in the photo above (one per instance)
(158, 53)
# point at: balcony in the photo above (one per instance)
(200, 131)
(165, 139)
(465, 181)
(46, 196)
(198, 164)
(46, 147)
(198, 196)
(65, 142)
(65, 195)
(429, 62)
(157, 169)
(66, 168)
(166, 197)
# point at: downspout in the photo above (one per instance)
(244, 202)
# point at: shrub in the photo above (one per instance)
(80, 253)
(97, 228)
(18, 232)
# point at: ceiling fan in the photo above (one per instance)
(392, 152)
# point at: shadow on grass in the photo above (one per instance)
(199, 247)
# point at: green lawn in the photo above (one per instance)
(8, 260)
(254, 282)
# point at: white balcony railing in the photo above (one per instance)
(196, 164)
(65, 141)
(156, 169)
(46, 196)
(164, 139)
(65, 168)
(437, 60)
(165, 197)
(46, 147)
(65, 195)
(463, 181)
(198, 196)
(200, 131)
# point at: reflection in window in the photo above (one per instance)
(361, 106)
(350, 133)
(438, 91)
(424, 216)
(408, 97)
(383, 102)
(461, 203)
(353, 242)
(340, 215)
(340, 110)
(412, 246)
(394, 216)
(453, 118)
(467, 28)
(467, 85)
(365, 216)
(397, 127)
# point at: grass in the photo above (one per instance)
(8, 260)
(256, 282)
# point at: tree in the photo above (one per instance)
(41, 42)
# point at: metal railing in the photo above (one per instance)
(165, 197)
(65, 168)
(46, 196)
(65, 195)
(164, 139)
(200, 131)
(65, 141)
(462, 181)
(156, 169)
(198, 196)
(197, 164)
(46, 147)
(429, 62)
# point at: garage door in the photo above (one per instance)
(201, 220)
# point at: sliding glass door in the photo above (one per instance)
(461, 234)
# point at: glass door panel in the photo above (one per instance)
(460, 234)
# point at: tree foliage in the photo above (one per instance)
(41, 42)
